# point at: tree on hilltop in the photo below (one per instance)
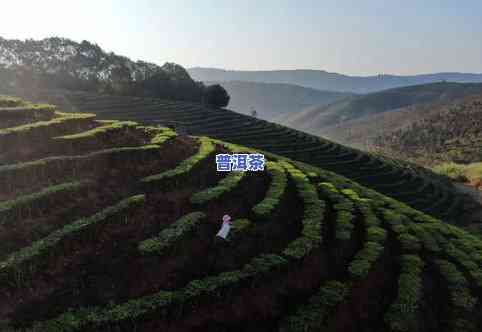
(215, 95)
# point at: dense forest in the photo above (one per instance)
(66, 64)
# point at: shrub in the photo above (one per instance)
(364, 260)
(224, 186)
(312, 218)
(172, 235)
(101, 130)
(314, 315)
(205, 149)
(9, 208)
(136, 309)
(275, 192)
(403, 313)
(164, 135)
(458, 285)
(453, 171)
(239, 227)
(62, 118)
(17, 262)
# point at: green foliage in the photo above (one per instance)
(101, 130)
(9, 208)
(62, 118)
(394, 218)
(216, 96)
(364, 259)
(17, 262)
(460, 172)
(452, 170)
(409, 242)
(7, 101)
(353, 195)
(164, 135)
(86, 67)
(458, 285)
(343, 207)
(28, 111)
(313, 315)
(205, 149)
(344, 224)
(403, 313)
(275, 192)
(376, 234)
(239, 227)
(224, 186)
(424, 232)
(172, 234)
(136, 309)
(312, 218)
(6, 170)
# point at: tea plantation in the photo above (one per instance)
(110, 226)
(405, 182)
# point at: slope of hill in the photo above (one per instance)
(322, 80)
(316, 119)
(411, 184)
(450, 133)
(361, 133)
(110, 226)
(63, 63)
(273, 101)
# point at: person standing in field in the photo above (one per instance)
(225, 228)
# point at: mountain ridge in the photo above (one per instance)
(324, 80)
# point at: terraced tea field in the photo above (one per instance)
(410, 184)
(110, 226)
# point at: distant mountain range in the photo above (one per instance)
(273, 101)
(322, 80)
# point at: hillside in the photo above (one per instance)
(362, 132)
(63, 63)
(110, 226)
(408, 183)
(447, 133)
(317, 119)
(273, 101)
(322, 80)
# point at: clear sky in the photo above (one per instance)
(347, 36)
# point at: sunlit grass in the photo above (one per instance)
(460, 172)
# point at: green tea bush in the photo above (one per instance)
(98, 131)
(11, 210)
(19, 264)
(168, 237)
(224, 186)
(275, 192)
(206, 148)
(312, 217)
(313, 315)
(136, 309)
(458, 286)
(403, 313)
(364, 259)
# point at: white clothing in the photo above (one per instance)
(224, 231)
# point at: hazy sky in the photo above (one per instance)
(351, 37)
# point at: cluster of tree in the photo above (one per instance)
(63, 63)
(453, 134)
